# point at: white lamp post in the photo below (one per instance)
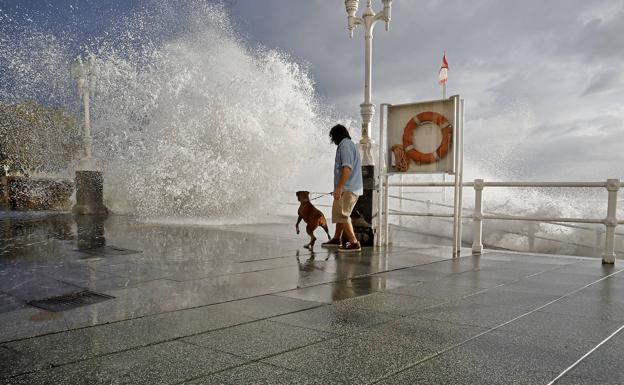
(89, 180)
(368, 20)
(85, 75)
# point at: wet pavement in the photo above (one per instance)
(246, 304)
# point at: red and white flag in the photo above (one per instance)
(443, 74)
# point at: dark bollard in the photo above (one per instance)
(362, 216)
(89, 185)
(90, 231)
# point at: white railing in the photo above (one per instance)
(610, 222)
(531, 235)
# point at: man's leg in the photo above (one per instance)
(349, 201)
(336, 219)
(348, 230)
(339, 230)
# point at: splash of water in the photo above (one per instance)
(188, 120)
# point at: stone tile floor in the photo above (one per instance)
(247, 305)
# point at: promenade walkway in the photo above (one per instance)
(247, 305)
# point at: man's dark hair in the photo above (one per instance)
(338, 133)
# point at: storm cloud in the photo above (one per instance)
(542, 81)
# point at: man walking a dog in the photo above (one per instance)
(348, 186)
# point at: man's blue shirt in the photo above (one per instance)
(347, 155)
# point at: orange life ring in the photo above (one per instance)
(412, 125)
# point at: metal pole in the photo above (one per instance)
(608, 257)
(367, 109)
(457, 186)
(460, 130)
(386, 210)
(381, 172)
(401, 200)
(87, 126)
(477, 225)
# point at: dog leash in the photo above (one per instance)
(322, 195)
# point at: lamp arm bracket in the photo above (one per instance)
(381, 16)
(355, 21)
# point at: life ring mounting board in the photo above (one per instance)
(421, 137)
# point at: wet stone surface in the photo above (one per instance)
(247, 304)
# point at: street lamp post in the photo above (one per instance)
(367, 109)
(89, 179)
(364, 207)
(85, 75)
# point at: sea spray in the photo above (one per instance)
(187, 118)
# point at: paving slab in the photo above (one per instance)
(550, 284)
(518, 299)
(413, 275)
(431, 335)
(28, 322)
(349, 359)
(36, 286)
(449, 266)
(603, 366)
(345, 288)
(496, 358)
(394, 304)
(260, 339)
(562, 326)
(601, 308)
(261, 374)
(445, 289)
(166, 363)
(608, 290)
(10, 303)
(468, 313)
(80, 344)
(335, 319)
(265, 306)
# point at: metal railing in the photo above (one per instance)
(612, 186)
(530, 234)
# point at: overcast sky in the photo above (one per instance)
(543, 80)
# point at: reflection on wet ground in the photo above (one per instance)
(248, 304)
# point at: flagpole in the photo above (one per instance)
(443, 75)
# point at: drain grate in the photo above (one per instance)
(108, 251)
(70, 301)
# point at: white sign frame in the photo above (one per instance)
(384, 175)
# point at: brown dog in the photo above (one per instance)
(312, 216)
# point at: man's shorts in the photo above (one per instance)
(341, 209)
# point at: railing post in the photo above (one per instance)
(613, 185)
(531, 235)
(598, 239)
(477, 226)
(386, 210)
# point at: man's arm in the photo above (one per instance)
(346, 171)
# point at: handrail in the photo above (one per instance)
(504, 184)
(549, 221)
(610, 222)
(525, 234)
